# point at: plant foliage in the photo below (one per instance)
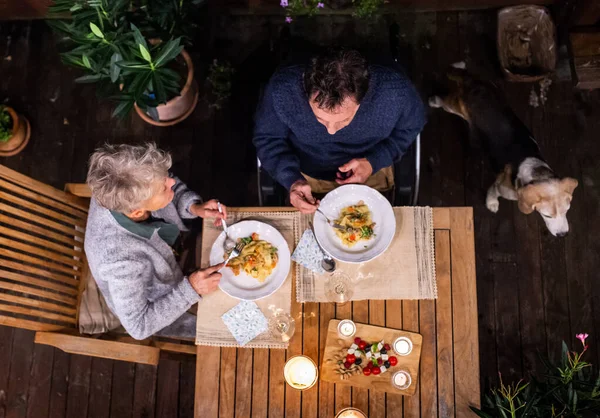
(6, 125)
(220, 79)
(109, 41)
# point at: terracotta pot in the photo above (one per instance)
(179, 108)
(20, 135)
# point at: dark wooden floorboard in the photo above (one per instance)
(534, 290)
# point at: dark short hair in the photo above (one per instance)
(336, 75)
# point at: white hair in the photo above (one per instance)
(121, 177)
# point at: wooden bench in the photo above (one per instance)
(42, 266)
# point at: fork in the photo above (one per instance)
(332, 223)
(236, 251)
(228, 244)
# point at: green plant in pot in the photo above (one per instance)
(133, 58)
(15, 132)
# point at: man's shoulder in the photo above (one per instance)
(287, 79)
(389, 79)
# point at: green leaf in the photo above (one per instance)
(123, 109)
(92, 78)
(115, 70)
(96, 30)
(565, 355)
(86, 61)
(75, 7)
(168, 52)
(480, 413)
(145, 53)
(137, 35)
(159, 89)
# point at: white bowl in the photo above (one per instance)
(382, 215)
(244, 286)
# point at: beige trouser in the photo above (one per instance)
(382, 181)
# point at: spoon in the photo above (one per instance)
(228, 244)
(328, 263)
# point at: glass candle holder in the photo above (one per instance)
(300, 372)
(351, 413)
(401, 380)
(346, 328)
(402, 346)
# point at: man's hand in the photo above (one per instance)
(360, 170)
(209, 210)
(301, 197)
(205, 281)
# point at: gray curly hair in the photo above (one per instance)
(121, 177)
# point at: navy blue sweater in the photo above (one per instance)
(289, 139)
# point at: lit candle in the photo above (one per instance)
(300, 372)
(403, 346)
(401, 379)
(346, 328)
(351, 413)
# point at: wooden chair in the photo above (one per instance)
(42, 266)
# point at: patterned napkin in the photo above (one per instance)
(245, 321)
(308, 253)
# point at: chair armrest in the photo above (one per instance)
(93, 347)
(78, 189)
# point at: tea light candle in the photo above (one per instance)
(300, 372)
(351, 413)
(401, 379)
(346, 328)
(402, 346)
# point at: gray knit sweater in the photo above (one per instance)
(139, 278)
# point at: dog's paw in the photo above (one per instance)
(435, 101)
(493, 205)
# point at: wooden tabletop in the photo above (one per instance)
(244, 383)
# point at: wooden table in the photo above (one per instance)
(243, 383)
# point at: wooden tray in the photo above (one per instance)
(382, 382)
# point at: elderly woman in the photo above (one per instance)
(135, 218)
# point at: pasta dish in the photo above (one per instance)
(257, 259)
(356, 220)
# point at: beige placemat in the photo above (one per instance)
(405, 271)
(210, 328)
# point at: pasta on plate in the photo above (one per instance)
(257, 259)
(358, 222)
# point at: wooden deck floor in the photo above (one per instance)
(534, 290)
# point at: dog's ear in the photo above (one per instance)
(528, 197)
(568, 185)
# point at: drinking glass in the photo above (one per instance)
(339, 287)
(281, 324)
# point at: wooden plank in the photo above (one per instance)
(41, 199)
(444, 323)
(36, 313)
(326, 389)
(79, 386)
(176, 348)
(100, 348)
(41, 272)
(27, 324)
(441, 218)
(167, 388)
(144, 391)
(39, 262)
(20, 368)
(69, 261)
(360, 314)
(343, 394)
(41, 210)
(410, 321)
(208, 363)
(310, 348)
(377, 400)
(79, 189)
(37, 303)
(14, 222)
(38, 398)
(277, 385)
(293, 405)
(243, 383)
(586, 13)
(260, 383)
(227, 383)
(428, 369)
(121, 399)
(394, 404)
(4, 274)
(60, 384)
(187, 376)
(42, 188)
(42, 242)
(6, 344)
(464, 311)
(585, 44)
(100, 388)
(41, 221)
(34, 291)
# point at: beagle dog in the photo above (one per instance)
(523, 174)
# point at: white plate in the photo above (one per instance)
(244, 286)
(382, 215)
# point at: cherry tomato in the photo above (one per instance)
(387, 347)
(357, 340)
(376, 371)
(393, 360)
(362, 345)
(350, 358)
(367, 371)
(347, 365)
(352, 237)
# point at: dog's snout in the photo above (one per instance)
(562, 234)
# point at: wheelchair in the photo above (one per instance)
(407, 173)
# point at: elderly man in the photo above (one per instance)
(136, 214)
(337, 121)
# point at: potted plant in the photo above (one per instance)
(14, 132)
(133, 52)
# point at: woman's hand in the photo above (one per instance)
(205, 281)
(210, 210)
